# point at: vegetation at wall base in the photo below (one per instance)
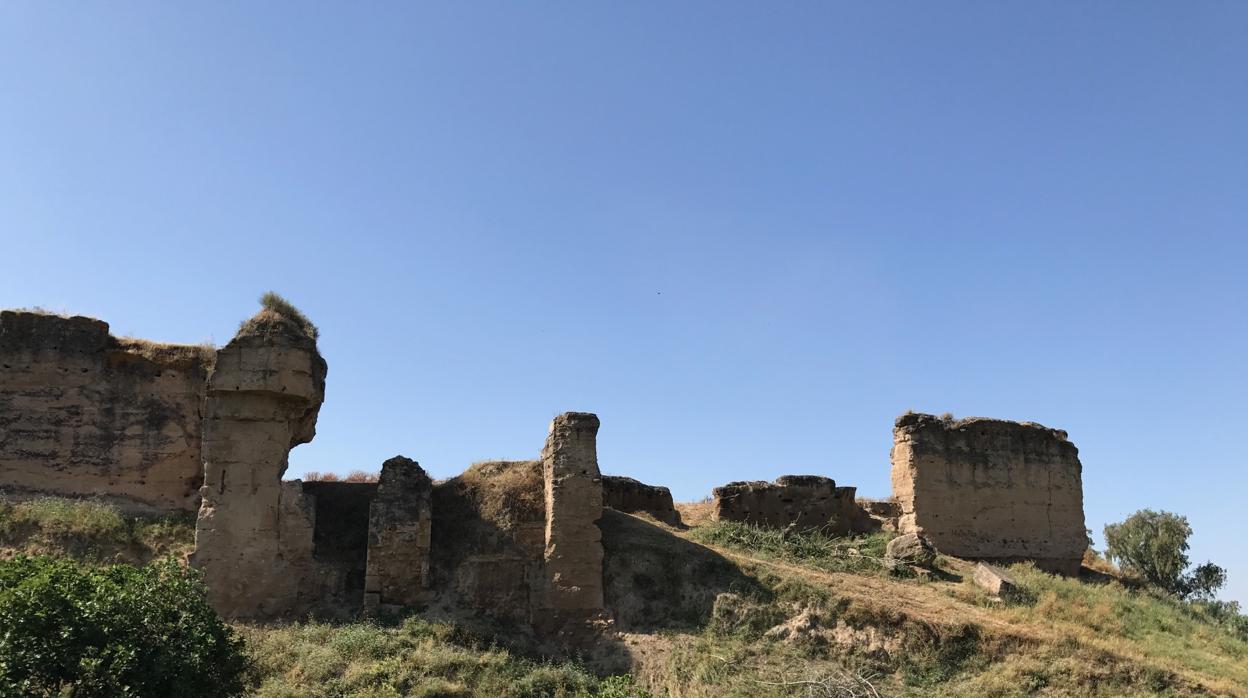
(90, 530)
(86, 631)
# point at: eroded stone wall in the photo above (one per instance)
(573, 557)
(990, 489)
(254, 535)
(805, 501)
(399, 535)
(85, 413)
(632, 496)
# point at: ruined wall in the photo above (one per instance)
(399, 535)
(631, 496)
(807, 501)
(990, 489)
(573, 557)
(254, 536)
(85, 413)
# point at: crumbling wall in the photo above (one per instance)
(399, 535)
(254, 539)
(990, 489)
(631, 496)
(573, 557)
(85, 413)
(805, 501)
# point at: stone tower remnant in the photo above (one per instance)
(990, 489)
(573, 556)
(253, 537)
(399, 535)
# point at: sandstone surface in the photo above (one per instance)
(573, 485)
(990, 489)
(254, 534)
(83, 413)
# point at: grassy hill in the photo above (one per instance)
(728, 610)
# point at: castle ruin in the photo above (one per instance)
(990, 489)
(157, 427)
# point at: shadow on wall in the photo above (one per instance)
(657, 581)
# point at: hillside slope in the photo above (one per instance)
(722, 609)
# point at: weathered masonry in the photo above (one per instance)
(634, 497)
(990, 489)
(86, 413)
(805, 501)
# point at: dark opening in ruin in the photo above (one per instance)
(340, 538)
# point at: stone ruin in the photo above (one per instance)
(158, 427)
(989, 489)
(634, 497)
(86, 413)
(803, 501)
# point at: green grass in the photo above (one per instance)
(1169, 634)
(811, 547)
(91, 531)
(417, 658)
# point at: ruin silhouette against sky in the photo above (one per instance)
(746, 237)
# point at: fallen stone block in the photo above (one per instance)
(911, 548)
(995, 581)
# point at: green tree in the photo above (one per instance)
(1153, 544)
(75, 630)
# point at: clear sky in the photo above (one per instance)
(746, 235)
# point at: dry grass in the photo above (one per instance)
(695, 513)
(353, 476)
(505, 493)
(1071, 638)
(202, 355)
(275, 307)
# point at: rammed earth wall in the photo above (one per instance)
(990, 489)
(85, 413)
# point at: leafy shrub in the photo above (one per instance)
(1153, 544)
(117, 630)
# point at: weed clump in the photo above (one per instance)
(275, 303)
(91, 530)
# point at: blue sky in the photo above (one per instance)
(746, 235)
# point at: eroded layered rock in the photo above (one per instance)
(990, 489)
(253, 537)
(85, 413)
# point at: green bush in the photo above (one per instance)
(117, 630)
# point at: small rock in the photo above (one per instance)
(995, 580)
(795, 628)
(911, 548)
